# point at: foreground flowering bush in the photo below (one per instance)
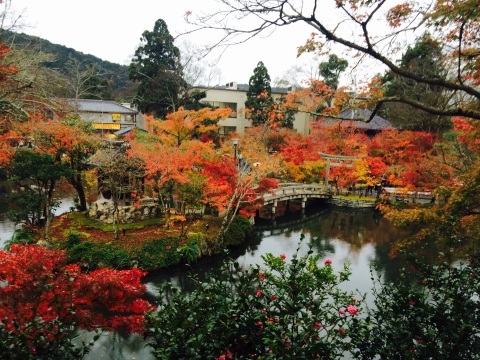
(288, 309)
(433, 312)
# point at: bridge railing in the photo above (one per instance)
(297, 189)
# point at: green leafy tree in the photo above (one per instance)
(331, 70)
(42, 171)
(259, 96)
(156, 66)
(424, 59)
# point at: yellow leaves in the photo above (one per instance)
(411, 217)
(184, 124)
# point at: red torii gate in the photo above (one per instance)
(337, 160)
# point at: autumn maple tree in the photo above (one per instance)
(188, 124)
(69, 140)
(372, 30)
(251, 169)
(39, 285)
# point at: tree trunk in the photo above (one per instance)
(82, 198)
(77, 184)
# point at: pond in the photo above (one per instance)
(360, 238)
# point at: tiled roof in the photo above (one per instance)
(358, 117)
(244, 87)
(100, 106)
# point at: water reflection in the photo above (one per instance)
(7, 228)
(360, 238)
(112, 346)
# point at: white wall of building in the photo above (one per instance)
(232, 94)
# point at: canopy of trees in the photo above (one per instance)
(356, 29)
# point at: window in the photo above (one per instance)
(224, 130)
(224, 105)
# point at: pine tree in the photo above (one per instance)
(332, 69)
(156, 66)
(259, 95)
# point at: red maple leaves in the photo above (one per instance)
(38, 283)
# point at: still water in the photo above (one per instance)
(360, 238)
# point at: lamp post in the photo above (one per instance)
(235, 144)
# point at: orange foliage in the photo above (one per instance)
(184, 124)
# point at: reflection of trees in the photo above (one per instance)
(355, 228)
(358, 228)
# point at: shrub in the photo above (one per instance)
(288, 310)
(99, 255)
(60, 344)
(159, 253)
(237, 231)
(432, 313)
(23, 236)
(191, 250)
(72, 240)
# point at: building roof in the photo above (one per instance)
(244, 87)
(100, 106)
(123, 131)
(358, 117)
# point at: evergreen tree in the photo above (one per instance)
(259, 95)
(332, 69)
(424, 59)
(156, 66)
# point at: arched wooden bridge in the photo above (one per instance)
(296, 191)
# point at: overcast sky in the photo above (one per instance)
(111, 30)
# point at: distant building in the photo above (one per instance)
(358, 118)
(106, 116)
(234, 96)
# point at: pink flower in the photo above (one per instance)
(318, 325)
(283, 257)
(328, 262)
(261, 275)
(341, 311)
(352, 309)
(259, 293)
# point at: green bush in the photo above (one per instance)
(191, 250)
(99, 255)
(21, 236)
(72, 240)
(432, 313)
(297, 310)
(237, 231)
(30, 344)
(159, 253)
(285, 310)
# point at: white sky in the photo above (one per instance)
(111, 30)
